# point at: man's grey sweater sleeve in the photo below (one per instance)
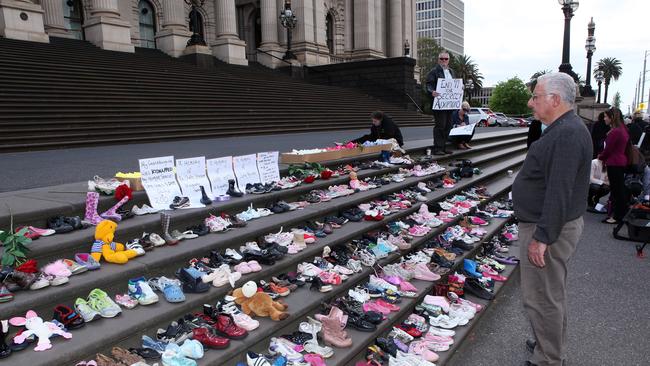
(560, 171)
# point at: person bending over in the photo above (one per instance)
(598, 183)
(383, 127)
(461, 118)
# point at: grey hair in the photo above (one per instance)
(561, 84)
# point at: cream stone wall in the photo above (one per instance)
(238, 29)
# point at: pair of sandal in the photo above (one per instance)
(120, 357)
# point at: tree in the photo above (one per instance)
(612, 69)
(510, 97)
(617, 100)
(464, 68)
(533, 79)
(428, 51)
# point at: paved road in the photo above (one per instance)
(608, 289)
(51, 167)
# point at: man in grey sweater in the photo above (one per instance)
(550, 197)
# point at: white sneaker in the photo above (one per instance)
(140, 290)
(359, 294)
(441, 332)
(233, 254)
(404, 359)
(285, 348)
(381, 283)
(443, 321)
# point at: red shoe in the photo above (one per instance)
(208, 339)
(226, 327)
(309, 179)
(410, 329)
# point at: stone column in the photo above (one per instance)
(53, 18)
(173, 38)
(365, 38)
(105, 29)
(320, 33)
(228, 47)
(23, 20)
(269, 43)
(379, 25)
(395, 30)
(349, 27)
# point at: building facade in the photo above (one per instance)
(482, 97)
(444, 21)
(235, 31)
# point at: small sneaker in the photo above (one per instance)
(99, 301)
(87, 313)
(140, 290)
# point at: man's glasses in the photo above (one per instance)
(535, 96)
(444, 58)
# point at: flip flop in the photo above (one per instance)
(87, 260)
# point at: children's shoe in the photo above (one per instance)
(99, 301)
(140, 290)
(83, 308)
(126, 301)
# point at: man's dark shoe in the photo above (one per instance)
(530, 345)
(528, 363)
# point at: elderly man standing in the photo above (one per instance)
(550, 196)
(442, 118)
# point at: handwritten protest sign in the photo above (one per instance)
(462, 130)
(191, 176)
(245, 168)
(267, 165)
(219, 172)
(159, 181)
(451, 94)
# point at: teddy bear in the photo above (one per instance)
(258, 303)
(36, 326)
(105, 246)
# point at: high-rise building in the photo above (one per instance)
(442, 20)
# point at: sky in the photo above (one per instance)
(509, 38)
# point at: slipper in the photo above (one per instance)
(171, 289)
(87, 260)
(41, 232)
(29, 233)
(75, 267)
(184, 235)
(154, 238)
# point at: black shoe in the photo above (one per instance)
(528, 363)
(360, 324)
(476, 288)
(530, 345)
(204, 197)
(233, 191)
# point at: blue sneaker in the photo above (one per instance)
(470, 268)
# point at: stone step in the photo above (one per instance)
(130, 325)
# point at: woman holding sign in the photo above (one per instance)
(459, 118)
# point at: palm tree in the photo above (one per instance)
(533, 79)
(465, 68)
(611, 68)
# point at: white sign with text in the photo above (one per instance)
(191, 176)
(159, 181)
(219, 172)
(451, 94)
(267, 166)
(462, 130)
(245, 168)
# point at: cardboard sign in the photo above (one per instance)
(451, 94)
(219, 172)
(191, 176)
(245, 168)
(267, 166)
(467, 130)
(159, 181)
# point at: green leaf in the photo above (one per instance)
(8, 259)
(22, 232)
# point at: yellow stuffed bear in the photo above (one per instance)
(260, 304)
(105, 246)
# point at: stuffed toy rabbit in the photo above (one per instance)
(36, 326)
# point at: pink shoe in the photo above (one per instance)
(41, 232)
(387, 305)
(254, 266)
(373, 306)
(421, 349)
(438, 339)
(243, 268)
(422, 272)
(418, 230)
(438, 301)
(314, 359)
(57, 269)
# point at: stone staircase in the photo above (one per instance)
(70, 93)
(494, 153)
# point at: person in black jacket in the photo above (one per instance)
(534, 132)
(383, 127)
(598, 133)
(442, 118)
(636, 128)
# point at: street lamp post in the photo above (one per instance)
(598, 75)
(288, 20)
(568, 7)
(197, 38)
(590, 46)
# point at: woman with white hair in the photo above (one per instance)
(461, 118)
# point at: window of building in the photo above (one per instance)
(329, 29)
